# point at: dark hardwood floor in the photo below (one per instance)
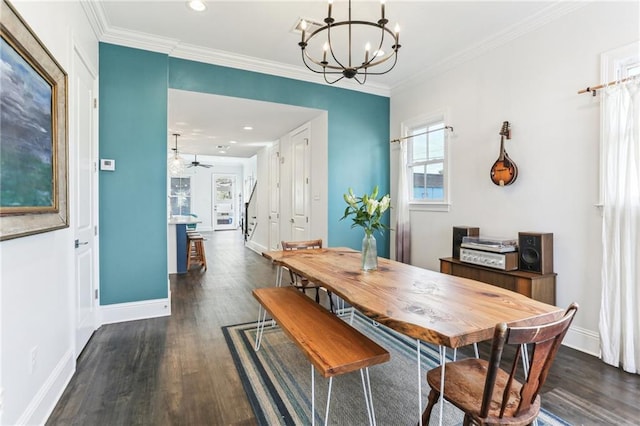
(177, 370)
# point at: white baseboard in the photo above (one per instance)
(258, 248)
(132, 311)
(47, 397)
(583, 340)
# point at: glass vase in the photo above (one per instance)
(369, 253)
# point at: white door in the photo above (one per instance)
(225, 214)
(84, 116)
(300, 185)
(274, 197)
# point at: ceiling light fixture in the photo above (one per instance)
(247, 128)
(341, 62)
(197, 5)
(175, 166)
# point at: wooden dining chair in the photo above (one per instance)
(301, 282)
(488, 394)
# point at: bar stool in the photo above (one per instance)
(195, 250)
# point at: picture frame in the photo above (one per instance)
(33, 132)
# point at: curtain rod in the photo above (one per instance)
(601, 86)
(420, 134)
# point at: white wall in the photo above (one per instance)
(37, 272)
(320, 177)
(531, 82)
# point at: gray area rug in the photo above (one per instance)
(277, 380)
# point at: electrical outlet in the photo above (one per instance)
(33, 360)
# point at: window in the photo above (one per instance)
(180, 196)
(616, 64)
(427, 178)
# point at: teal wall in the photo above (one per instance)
(133, 131)
(133, 198)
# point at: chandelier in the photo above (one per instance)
(338, 62)
(175, 166)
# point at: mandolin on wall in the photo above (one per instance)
(504, 171)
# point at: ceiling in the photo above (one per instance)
(216, 125)
(259, 36)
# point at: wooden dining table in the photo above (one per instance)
(430, 306)
(426, 305)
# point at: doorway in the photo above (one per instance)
(225, 202)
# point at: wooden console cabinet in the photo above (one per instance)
(541, 287)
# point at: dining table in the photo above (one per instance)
(425, 305)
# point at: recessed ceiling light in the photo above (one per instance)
(247, 128)
(222, 152)
(197, 5)
(233, 141)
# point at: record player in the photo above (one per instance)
(497, 253)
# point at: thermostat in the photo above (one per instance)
(106, 164)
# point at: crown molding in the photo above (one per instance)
(248, 63)
(95, 15)
(510, 33)
(172, 47)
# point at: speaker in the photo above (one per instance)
(458, 233)
(536, 252)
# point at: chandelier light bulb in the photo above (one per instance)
(303, 27)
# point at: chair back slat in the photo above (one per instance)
(544, 341)
(301, 245)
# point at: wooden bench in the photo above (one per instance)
(331, 345)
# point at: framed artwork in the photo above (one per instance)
(33, 132)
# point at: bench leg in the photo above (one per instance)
(313, 398)
(279, 276)
(262, 317)
(368, 396)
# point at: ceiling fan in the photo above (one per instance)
(196, 163)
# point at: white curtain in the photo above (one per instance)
(403, 225)
(620, 306)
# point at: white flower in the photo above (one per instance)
(385, 202)
(372, 205)
(350, 198)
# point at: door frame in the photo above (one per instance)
(78, 56)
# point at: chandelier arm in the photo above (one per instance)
(333, 55)
(395, 61)
(305, 56)
(368, 63)
(394, 51)
(334, 81)
(395, 47)
(363, 80)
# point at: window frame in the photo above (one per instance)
(426, 121)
